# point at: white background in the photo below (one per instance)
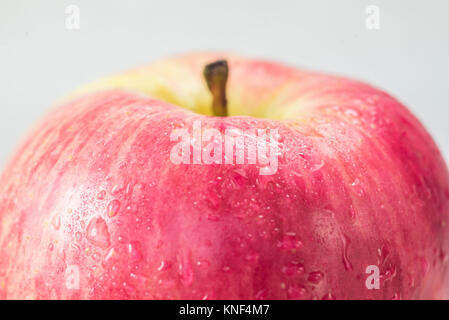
(41, 60)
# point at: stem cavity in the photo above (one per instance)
(216, 75)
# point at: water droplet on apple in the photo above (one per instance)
(96, 256)
(346, 263)
(240, 178)
(213, 217)
(110, 256)
(113, 208)
(289, 241)
(209, 296)
(278, 137)
(51, 246)
(358, 188)
(293, 269)
(117, 188)
(352, 212)
(297, 174)
(382, 254)
(98, 233)
(328, 296)
(203, 264)
(135, 251)
(411, 280)
(352, 112)
(263, 234)
(129, 188)
(76, 249)
(101, 195)
(56, 222)
(389, 273)
(296, 291)
(164, 266)
(252, 257)
(317, 166)
(396, 296)
(315, 277)
(186, 273)
(261, 294)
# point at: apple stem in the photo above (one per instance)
(216, 75)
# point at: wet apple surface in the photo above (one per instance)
(92, 207)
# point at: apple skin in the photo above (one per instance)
(360, 182)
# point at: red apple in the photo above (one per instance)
(93, 207)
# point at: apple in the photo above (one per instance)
(93, 206)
